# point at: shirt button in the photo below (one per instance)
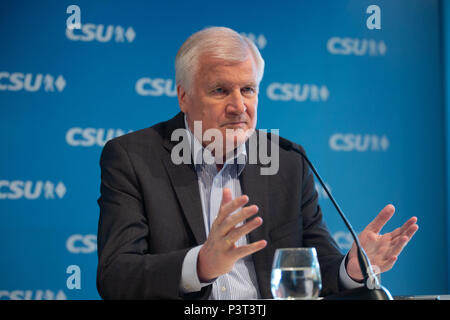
(223, 289)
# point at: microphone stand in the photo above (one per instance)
(372, 289)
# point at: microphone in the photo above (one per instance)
(372, 289)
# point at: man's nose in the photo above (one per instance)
(236, 104)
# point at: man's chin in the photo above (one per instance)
(239, 132)
(237, 137)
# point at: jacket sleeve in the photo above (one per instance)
(126, 268)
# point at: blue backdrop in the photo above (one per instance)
(368, 106)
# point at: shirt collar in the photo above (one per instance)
(202, 156)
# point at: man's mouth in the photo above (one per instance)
(235, 124)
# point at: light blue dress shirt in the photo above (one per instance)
(240, 283)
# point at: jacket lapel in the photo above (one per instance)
(256, 187)
(184, 181)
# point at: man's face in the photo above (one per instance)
(223, 96)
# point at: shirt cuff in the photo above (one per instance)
(347, 282)
(189, 277)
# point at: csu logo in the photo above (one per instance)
(358, 142)
(88, 137)
(30, 190)
(32, 295)
(297, 92)
(100, 33)
(156, 87)
(17, 81)
(78, 243)
(357, 47)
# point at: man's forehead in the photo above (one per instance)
(209, 60)
(220, 70)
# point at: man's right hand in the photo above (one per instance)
(219, 252)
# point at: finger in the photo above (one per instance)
(408, 232)
(228, 206)
(248, 249)
(397, 247)
(402, 230)
(231, 221)
(380, 220)
(401, 241)
(230, 243)
(233, 205)
(411, 231)
(237, 233)
(388, 264)
(226, 196)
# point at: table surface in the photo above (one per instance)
(424, 297)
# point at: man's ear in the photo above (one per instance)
(182, 97)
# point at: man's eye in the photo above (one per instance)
(248, 90)
(219, 91)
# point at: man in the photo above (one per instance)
(207, 230)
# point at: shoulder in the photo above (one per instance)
(279, 153)
(151, 138)
(283, 146)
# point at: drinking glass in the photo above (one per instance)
(296, 274)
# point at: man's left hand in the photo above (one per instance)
(382, 249)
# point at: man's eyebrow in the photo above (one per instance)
(218, 84)
(215, 83)
(221, 83)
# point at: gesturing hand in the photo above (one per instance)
(382, 250)
(219, 252)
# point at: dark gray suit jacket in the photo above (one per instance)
(151, 215)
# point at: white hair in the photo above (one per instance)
(218, 42)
